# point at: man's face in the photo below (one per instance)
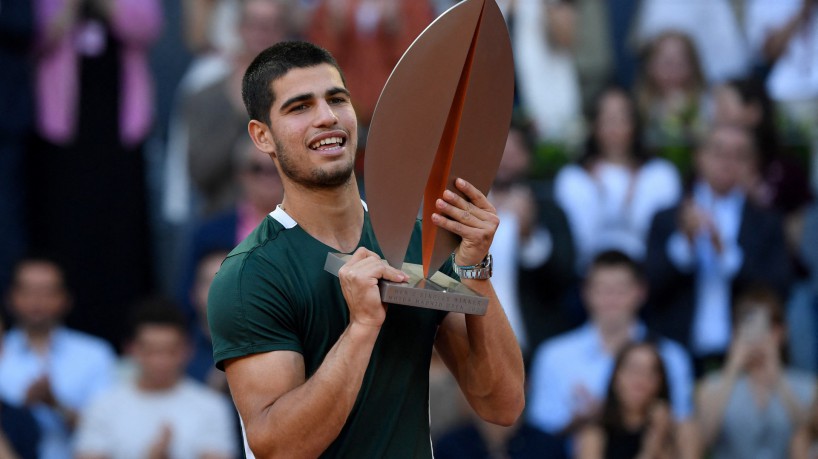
(725, 159)
(262, 24)
(613, 295)
(313, 126)
(38, 296)
(161, 352)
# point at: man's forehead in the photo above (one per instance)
(307, 80)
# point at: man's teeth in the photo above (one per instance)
(327, 141)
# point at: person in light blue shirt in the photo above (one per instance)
(45, 366)
(571, 372)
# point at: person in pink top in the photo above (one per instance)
(94, 107)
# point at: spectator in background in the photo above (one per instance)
(51, 369)
(16, 37)
(672, 97)
(19, 432)
(711, 244)
(611, 195)
(755, 406)
(533, 248)
(200, 365)
(714, 27)
(635, 420)
(543, 38)
(571, 371)
(783, 38)
(160, 413)
(367, 38)
(86, 173)
(779, 182)
(215, 116)
(210, 26)
(260, 190)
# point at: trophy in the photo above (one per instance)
(444, 113)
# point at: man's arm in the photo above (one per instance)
(481, 351)
(286, 414)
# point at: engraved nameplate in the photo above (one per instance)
(440, 292)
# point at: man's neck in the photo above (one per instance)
(615, 335)
(39, 339)
(333, 216)
(146, 385)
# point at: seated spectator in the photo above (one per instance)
(19, 432)
(482, 440)
(635, 421)
(160, 413)
(709, 245)
(611, 195)
(53, 370)
(571, 371)
(532, 249)
(755, 405)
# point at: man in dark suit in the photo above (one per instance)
(711, 245)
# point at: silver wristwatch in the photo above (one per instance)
(480, 271)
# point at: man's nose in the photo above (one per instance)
(325, 115)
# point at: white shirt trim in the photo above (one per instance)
(281, 216)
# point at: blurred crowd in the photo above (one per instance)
(657, 257)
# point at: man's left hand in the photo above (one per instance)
(474, 219)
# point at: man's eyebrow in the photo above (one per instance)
(298, 98)
(338, 90)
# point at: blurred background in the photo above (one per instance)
(658, 256)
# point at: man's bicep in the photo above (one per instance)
(257, 381)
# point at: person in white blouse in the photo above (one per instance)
(611, 195)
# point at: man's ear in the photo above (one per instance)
(262, 137)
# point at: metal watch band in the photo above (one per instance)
(479, 271)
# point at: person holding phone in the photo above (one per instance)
(755, 406)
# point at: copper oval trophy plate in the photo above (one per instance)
(444, 113)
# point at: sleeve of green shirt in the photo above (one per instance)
(248, 311)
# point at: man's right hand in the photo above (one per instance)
(359, 283)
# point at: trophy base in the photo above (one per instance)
(440, 292)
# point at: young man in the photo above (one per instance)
(571, 371)
(322, 367)
(52, 369)
(160, 413)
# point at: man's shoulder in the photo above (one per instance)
(87, 345)
(266, 232)
(568, 342)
